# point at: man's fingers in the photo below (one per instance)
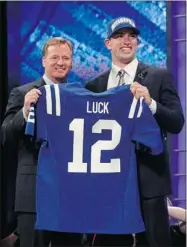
(137, 90)
(136, 84)
(137, 95)
(33, 96)
(35, 92)
(34, 99)
(38, 91)
(133, 90)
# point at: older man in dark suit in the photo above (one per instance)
(156, 86)
(57, 62)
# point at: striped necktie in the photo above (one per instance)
(121, 75)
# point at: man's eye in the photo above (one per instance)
(118, 36)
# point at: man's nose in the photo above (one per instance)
(60, 61)
(126, 38)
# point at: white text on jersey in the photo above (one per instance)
(97, 107)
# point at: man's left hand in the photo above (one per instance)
(140, 91)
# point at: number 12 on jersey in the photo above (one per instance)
(77, 165)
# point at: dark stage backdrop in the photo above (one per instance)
(3, 95)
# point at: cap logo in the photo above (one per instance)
(122, 20)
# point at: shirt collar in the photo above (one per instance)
(130, 68)
(47, 80)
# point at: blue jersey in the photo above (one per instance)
(87, 177)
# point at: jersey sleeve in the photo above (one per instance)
(30, 126)
(41, 118)
(36, 126)
(146, 130)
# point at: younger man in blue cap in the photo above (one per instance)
(156, 86)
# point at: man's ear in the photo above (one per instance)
(43, 62)
(108, 44)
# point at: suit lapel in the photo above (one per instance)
(141, 73)
(40, 83)
(102, 85)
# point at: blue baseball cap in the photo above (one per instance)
(119, 23)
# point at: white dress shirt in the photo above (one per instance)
(130, 72)
(47, 80)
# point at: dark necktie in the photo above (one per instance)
(121, 75)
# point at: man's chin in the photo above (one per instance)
(61, 79)
(126, 59)
(60, 75)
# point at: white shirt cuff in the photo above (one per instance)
(25, 117)
(153, 106)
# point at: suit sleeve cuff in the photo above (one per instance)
(153, 106)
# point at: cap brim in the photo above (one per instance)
(135, 30)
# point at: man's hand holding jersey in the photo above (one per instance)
(140, 91)
(30, 98)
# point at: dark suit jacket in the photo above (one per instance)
(12, 131)
(153, 171)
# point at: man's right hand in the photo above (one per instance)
(30, 98)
